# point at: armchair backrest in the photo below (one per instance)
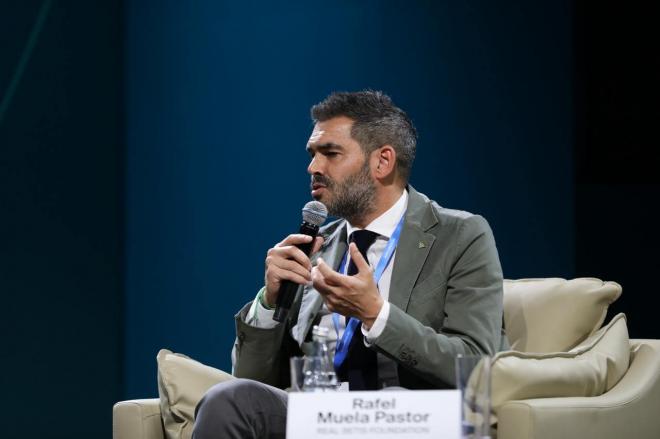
(553, 314)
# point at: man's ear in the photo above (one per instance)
(384, 159)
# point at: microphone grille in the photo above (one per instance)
(315, 213)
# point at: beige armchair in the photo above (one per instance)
(573, 310)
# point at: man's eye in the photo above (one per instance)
(331, 153)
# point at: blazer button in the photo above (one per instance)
(408, 357)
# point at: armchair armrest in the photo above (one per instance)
(629, 409)
(137, 419)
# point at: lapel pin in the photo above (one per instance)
(421, 245)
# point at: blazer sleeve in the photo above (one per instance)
(258, 352)
(473, 307)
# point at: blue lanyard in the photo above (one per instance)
(342, 345)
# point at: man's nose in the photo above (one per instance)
(315, 166)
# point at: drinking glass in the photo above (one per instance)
(473, 380)
(297, 367)
(310, 375)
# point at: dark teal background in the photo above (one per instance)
(151, 152)
(62, 155)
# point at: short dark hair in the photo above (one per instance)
(377, 122)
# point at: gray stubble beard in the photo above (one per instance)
(355, 197)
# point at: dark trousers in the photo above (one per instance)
(241, 409)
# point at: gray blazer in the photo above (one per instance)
(445, 295)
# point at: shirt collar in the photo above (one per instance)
(385, 224)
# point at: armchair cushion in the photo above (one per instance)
(590, 369)
(629, 410)
(182, 382)
(554, 315)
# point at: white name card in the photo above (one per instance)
(414, 414)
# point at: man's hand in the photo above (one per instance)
(351, 296)
(285, 261)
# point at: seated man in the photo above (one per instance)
(439, 295)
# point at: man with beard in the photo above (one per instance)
(439, 295)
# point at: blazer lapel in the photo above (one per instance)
(413, 248)
(332, 251)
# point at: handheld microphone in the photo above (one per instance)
(314, 214)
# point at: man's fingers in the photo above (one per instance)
(296, 238)
(289, 252)
(318, 242)
(287, 249)
(282, 274)
(324, 289)
(358, 259)
(331, 303)
(330, 276)
(319, 281)
(294, 266)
